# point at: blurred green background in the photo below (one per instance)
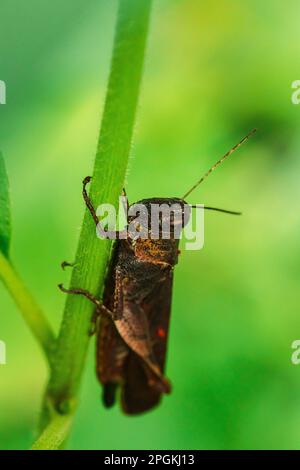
(213, 71)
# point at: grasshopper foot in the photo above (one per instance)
(66, 264)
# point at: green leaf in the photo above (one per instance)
(5, 220)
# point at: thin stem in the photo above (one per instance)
(31, 312)
(109, 173)
(55, 434)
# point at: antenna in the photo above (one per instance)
(220, 161)
(208, 208)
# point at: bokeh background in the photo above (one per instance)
(213, 71)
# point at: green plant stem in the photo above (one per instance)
(31, 312)
(55, 434)
(108, 178)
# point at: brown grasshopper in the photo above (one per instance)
(134, 314)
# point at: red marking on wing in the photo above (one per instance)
(161, 332)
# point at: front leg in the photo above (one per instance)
(87, 199)
(105, 233)
(66, 264)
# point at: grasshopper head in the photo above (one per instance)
(159, 218)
